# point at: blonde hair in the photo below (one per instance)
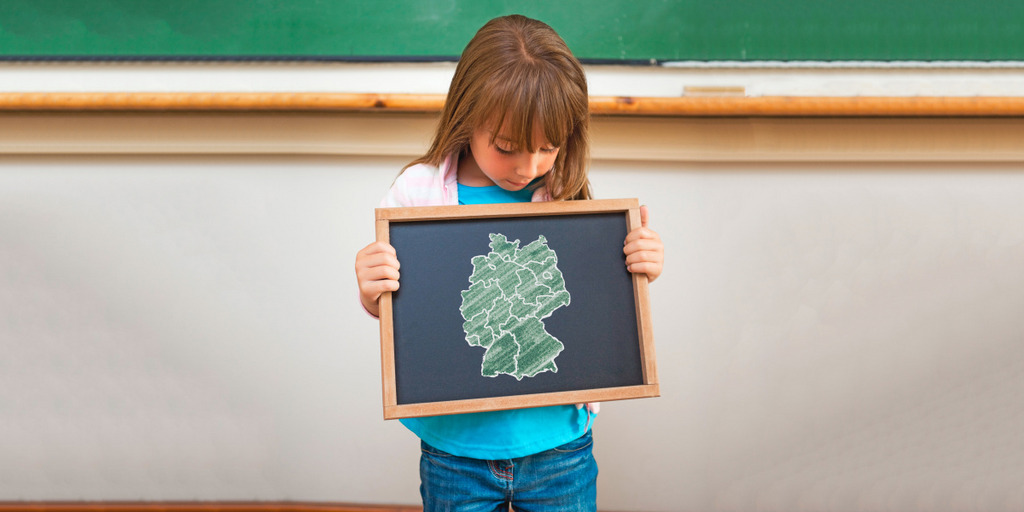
(514, 72)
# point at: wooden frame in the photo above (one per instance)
(725, 106)
(199, 506)
(386, 217)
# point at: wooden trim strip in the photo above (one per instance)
(484, 211)
(517, 401)
(389, 392)
(196, 506)
(222, 101)
(783, 106)
(731, 106)
(641, 296)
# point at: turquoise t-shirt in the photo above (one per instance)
(501, 434)
(493, 194)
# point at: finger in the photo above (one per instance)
(370, 276)
(641, 233)
(378, 248)
(644, 244)
(645, 215)
(645, 257)
(644, 250)
(378, 273)
(372, 290)
(380, 259)
(653, 270)
(385, 285)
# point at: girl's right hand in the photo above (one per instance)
(376, 272)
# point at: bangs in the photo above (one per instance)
(512, 103)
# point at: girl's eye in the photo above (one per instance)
(509, 150)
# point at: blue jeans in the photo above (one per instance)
(562, 479)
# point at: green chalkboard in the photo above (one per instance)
(623, 31)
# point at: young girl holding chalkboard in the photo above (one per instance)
(514, 129)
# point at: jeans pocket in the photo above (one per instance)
(576, 445)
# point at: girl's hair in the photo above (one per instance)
(514, 72)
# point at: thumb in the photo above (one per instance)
(645, 216)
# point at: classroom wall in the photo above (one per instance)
(837, 327)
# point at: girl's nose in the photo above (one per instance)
(531, 165)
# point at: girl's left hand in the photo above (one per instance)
(644, 251)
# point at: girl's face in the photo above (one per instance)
(502, 163)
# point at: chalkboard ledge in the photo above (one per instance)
(199, 506)
(726, 106)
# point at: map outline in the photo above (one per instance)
(514, 338)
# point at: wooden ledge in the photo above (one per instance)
(196, 506)
(765, 106)
(795, 106)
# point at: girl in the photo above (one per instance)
(514, 128)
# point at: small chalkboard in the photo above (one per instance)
(505, 306)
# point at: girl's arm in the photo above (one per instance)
(376, 273)
(644, 251)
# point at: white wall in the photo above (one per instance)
(756, 78)
(829, 336)
(187, 328)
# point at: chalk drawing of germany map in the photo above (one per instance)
(511, 291)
